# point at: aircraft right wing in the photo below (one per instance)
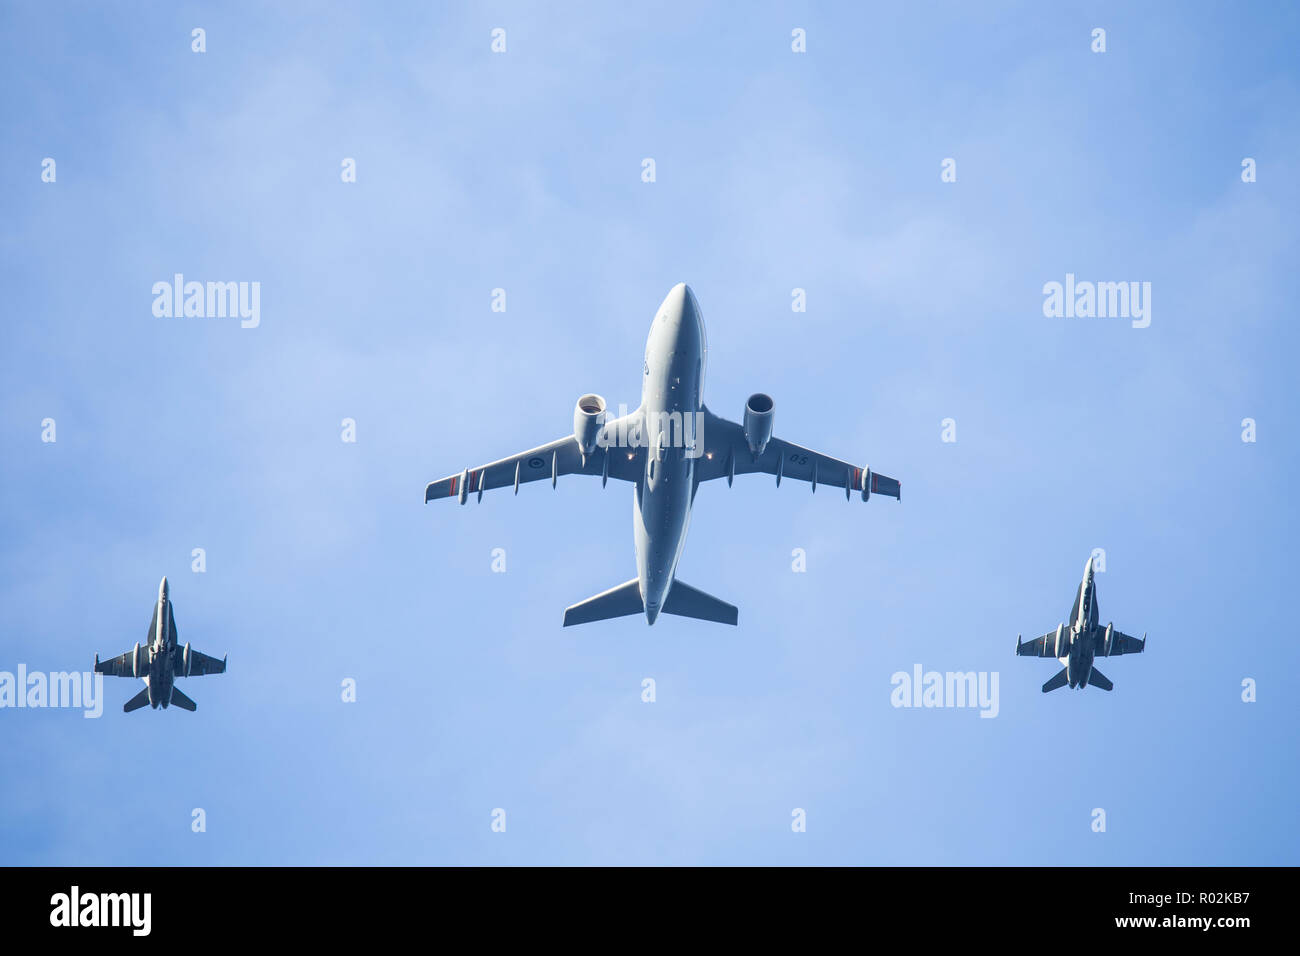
(726, 454)
(560, 457)
(1120, 643)
(201, 664)
(1044, 646)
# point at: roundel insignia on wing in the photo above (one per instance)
(535, 462)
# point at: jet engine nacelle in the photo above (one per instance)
(185, 660)
(757, 422)
(1060, 628)
(135, 660)
(1106, 642)
(588, 419)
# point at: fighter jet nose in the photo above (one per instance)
(651, 612)
(162, 588)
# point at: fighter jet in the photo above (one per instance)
(1085, 640)
(160, 661)
(665, 449)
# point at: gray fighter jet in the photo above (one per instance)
(1084, 641)
(160, 661)
(665, 449)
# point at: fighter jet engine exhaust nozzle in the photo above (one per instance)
(757, 422)
(135, 661)
(588, 419)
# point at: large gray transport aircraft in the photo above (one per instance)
(160, 661)
(665, 449)
(1085, 641)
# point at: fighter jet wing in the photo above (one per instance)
(726, 454)
(1044, 646)
(1120, 643)
(200, 664)
(552, 461)
(123, 665)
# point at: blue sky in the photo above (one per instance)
(774, 171)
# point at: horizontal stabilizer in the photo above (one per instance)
(1056, 682)
(181, 701)
(620, 601)
(686, 601)
(135, 703)
(1097, 679)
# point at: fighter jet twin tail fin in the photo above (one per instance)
(1095, 679)
(142, 699)
(625, 600)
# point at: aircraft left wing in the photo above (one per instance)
(1120, 643)
(123, 665)
(551, 461)
(726, 454)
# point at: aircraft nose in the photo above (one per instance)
(651, 612)
(684, 313)
(162, 588)
(679, 305)
(690, 307)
